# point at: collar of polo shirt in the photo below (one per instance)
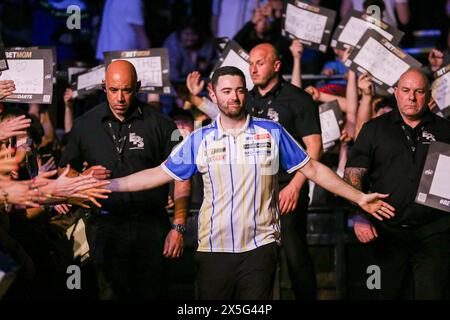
(220, 132)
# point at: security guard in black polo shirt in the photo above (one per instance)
(390, 151)
(275, 99)
(130, 236)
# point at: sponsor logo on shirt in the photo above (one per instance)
(137, 141)
(216, 153)
(219, 157)
(427, 135)
(259, 145)
(261, 136)
(273, 115)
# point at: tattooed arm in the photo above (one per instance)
(354, 177)
(327, 179)
(364, 230)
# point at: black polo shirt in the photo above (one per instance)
(146, 136)
(382, 147)
(288, 105)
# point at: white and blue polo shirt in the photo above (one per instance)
(240, 206)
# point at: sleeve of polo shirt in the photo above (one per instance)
(307, 121)
(360, 155)
(292, 155)
(180, 165)
(72, 153)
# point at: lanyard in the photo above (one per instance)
(412, 142)
(119, 143)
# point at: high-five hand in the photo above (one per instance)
(373, 204)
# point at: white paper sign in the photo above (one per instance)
(329, 126)
(149, 70)
(304, 24)
(356, 24)
(380, 62)
(28, 75)
(31, 69)
(152, 67)
(440, 185)
(441, 91)
(434, 187)
(91, 79)
(355, 29)
(311, 25)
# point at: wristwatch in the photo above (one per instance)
(179, 227)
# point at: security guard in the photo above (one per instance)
(130, 236)
(391, 151)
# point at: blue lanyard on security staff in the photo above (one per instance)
(411, 143)
(119, 143)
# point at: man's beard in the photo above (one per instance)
(232, 113)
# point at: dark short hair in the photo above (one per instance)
(227, 71)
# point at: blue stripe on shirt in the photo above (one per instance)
(291, 153)
(212, 204)
(232, 192)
